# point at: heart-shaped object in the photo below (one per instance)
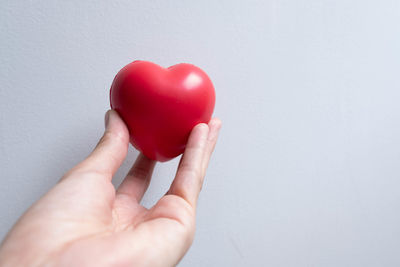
(161, 106)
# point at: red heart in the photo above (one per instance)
(162, 105)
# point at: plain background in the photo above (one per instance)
(307, 168)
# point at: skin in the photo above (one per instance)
(84, 221)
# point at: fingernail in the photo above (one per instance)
(107, 118)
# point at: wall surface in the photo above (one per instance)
(307, 169)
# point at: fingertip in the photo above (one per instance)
(201, 127)
(107, 118)
(200, 131)
(215, 123)
(114, 123)
(215, 126)
(113, 116)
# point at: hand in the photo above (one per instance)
(84, 221)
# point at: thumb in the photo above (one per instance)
(112, 148)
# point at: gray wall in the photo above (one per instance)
(307, 169)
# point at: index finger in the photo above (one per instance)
(191, 170)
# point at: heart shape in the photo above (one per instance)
(161, 106)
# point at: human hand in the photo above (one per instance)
(84, 221)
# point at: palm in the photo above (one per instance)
(84, 221)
